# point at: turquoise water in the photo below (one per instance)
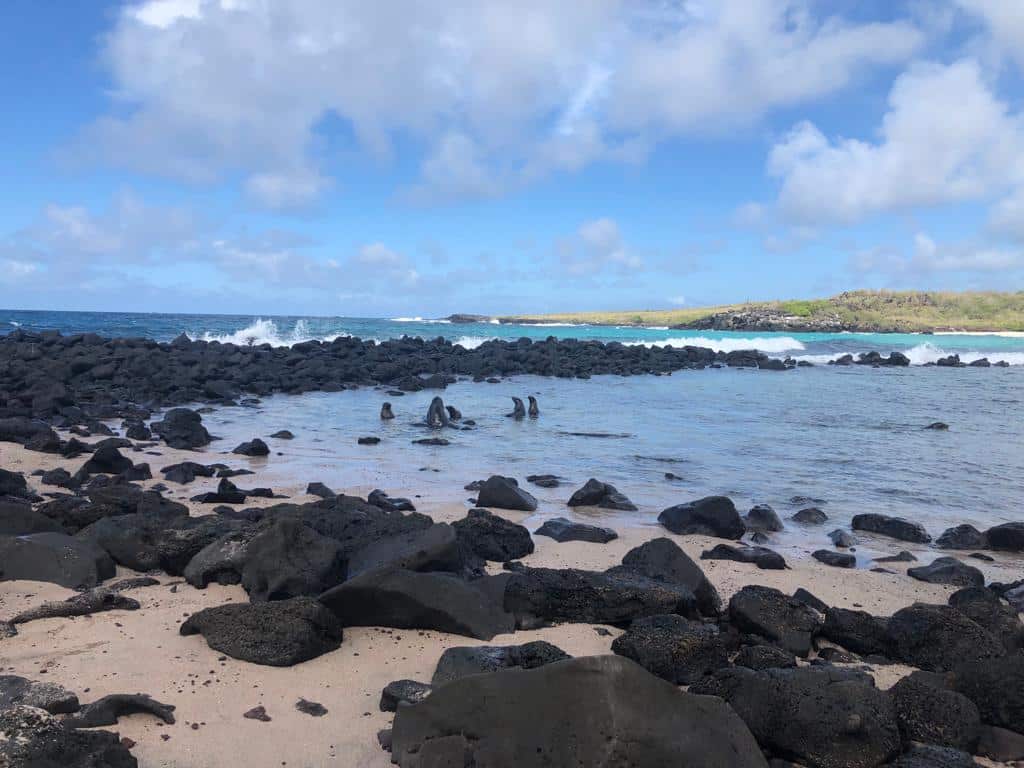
(243, 329)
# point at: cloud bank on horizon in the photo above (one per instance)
(337, 157)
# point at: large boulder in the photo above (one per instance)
(105, 460)
(939, 638)
(948, 570)
(662, 560)
(962, 537)
(893, 527)
(54, 557)
(33, 738)
(1008, 537)
(710, 516)
(429, 549)
(996, 686)
(492, 537)
(505, 493)
(18, 518)
(221, 561)
(277, 634)
(182, 428)
(561, 530)
(13, 484)
(254, 447)
(53, 698)
(985, 607)
(594, 493)
(598, 711)
(934, 715)
(674, 648)
(409, 600)
(573, 595)
(931, 756)
(462, 661)
(857, 631)
(290, 559)
(821, 717)
(762, 517)
(772, 614)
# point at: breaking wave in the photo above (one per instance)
(928, 353)
(266, 332)
(767, 344)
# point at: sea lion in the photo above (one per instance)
(437, 416)
(386, 412)
(453, 413)
(519, 412)
(534, 410)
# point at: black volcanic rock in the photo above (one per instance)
(894, 527)
(710, 516)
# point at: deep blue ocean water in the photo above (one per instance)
(852, 438)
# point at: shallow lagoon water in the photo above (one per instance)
(853, 438)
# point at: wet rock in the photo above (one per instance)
(996, 686)
(48, 696)
(900, 557)
(936, 715)
(403, 692)
(492, 537)
(561, 530)
(810, 516)
(674, 648)
(544, 481)
(857, 631)
(408, 600)
(710, 516)
(842, 539)
(1008, 537)
(278, 634)
(938, 638)
(818, 716)
(186, 472)
(894, 527)
(32, 737)
(107, 710)
(182, 428)
(456, 663)
(254, 447)
(381, 500)
(763, 558)
(662, 560)
(54, 557)
(368, 440)
(283, 434)
(948, 570)
(771, 614)
(321, 490)
(763, 518)
(758, 657)
(505, 493)
(573, 595)
(290, 559)
(961, 537)
(440, 441)
(602, 712)
(597, 494)
(939, 426)
(835, 559)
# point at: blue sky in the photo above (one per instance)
(405, 158)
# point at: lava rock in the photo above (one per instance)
(1008, 537)
(597, 494)
(810, 516)
(770, 613)
(835, 559)
(758, 657)
(763, 558)
(562, 530)
(961, 537)
(290, 559)
(662, 560)
(936, 715)
(403, 692)
(710, 516)
(456, 663)
(938, 638)
(996, 686)
(762, 517)
(182, 428)
(32, 737)
(674, 648)
(948, 570)
(505, 493)
(857, 631)
(492, 537)
(893, 527)
(54, 557)
(254, 447)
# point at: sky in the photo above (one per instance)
(409, 158)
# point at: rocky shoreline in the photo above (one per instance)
(782, 663)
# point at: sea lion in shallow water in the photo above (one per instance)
(386, 412)
(534, 410)
(437, 416)
(519, 412)
(453, 413)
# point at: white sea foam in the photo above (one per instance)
(406, 319)
(472, 342)
(768, 344)
(266, 332)
(929, 353)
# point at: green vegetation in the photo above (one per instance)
(853, 310)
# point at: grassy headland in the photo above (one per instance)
(866, 311)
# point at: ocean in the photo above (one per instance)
(845, 439)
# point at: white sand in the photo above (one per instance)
(141, 651)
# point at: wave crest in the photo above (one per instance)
(769, 345)
(262, 331)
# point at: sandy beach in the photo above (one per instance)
(142, 651)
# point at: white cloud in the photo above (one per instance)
(928, 257)
(497, 93)
(597, 246)
(1007, 216)
(946, 138)
(1004, 20)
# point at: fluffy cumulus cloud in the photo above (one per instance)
(946, 138)
(494, 94)
(596, 247)
(926, 257)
